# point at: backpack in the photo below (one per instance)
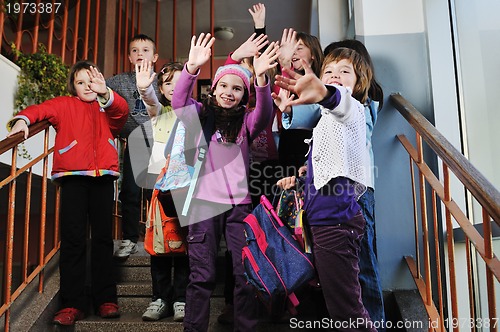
(164, 235)
(274, 262)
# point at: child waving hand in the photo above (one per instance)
(221, 199)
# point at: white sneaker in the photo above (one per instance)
(126, 248)
(156, 310)
(179, 311)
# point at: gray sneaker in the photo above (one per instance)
(156, 311)
(126, 248)
(179, 311)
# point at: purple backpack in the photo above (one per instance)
(275, 264)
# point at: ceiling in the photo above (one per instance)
(280, 14)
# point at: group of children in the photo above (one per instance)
(329, 99)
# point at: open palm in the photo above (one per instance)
(97, 82)
(200, 51)
(144, 75)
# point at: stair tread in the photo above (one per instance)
(128, 317)
(133, 321)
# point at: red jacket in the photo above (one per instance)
(84, 143)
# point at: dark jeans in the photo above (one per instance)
(371, 291)
(161, 275)
(203, 241)
(336, 250)
(86, 200)
(130, 197)
(228, 278)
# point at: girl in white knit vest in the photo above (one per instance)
(336, 177)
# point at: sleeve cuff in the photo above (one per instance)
(332, 100)
(11, 123)
(106, 103)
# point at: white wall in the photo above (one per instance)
(34, 145)
(336, 13)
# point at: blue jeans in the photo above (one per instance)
(369, 279)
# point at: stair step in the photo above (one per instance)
(135, 288)
(127, 322)
(134, 274)
(132, 321)
(134, 305)
(145, 289)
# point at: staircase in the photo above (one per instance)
(134, 295)
(33, 311)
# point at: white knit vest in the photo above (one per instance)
(339, 147)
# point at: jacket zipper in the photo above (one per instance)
(94, 138)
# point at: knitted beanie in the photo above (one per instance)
(237, 70)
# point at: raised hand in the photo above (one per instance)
(97, 82)
(308, 88)
(200, 51)
(282, 100)
(144, 74)
(258, 13)
(264, 62)
(250, 47)
(287, 47)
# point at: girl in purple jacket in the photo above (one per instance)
(221, 199)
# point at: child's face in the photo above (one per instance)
(301, 52)
(167, 87)
(141, 50)
(82, 86)
(229, 91)
(339, 73)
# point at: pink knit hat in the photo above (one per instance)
(237, 70)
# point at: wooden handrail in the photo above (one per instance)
(9, 143)
(482, 189)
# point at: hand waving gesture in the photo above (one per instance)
(258, 13)
(144, 74)
(288, 45)
(97, 82)
(308, 88)
(282, 100)
(264, 62)
(250, 47)
(200, 51)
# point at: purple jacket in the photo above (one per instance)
(224, 174)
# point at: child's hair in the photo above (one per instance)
(314, 46)
(375, 92)
(166, 74)
(228, 121)
(361, 67)
(80, 65)
(143, 37)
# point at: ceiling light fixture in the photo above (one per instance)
(223, 33)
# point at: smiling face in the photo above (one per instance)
(141, 50)
(82, 86)
(168, 86)
(229, 91)
(339, 73)
(301, 52)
